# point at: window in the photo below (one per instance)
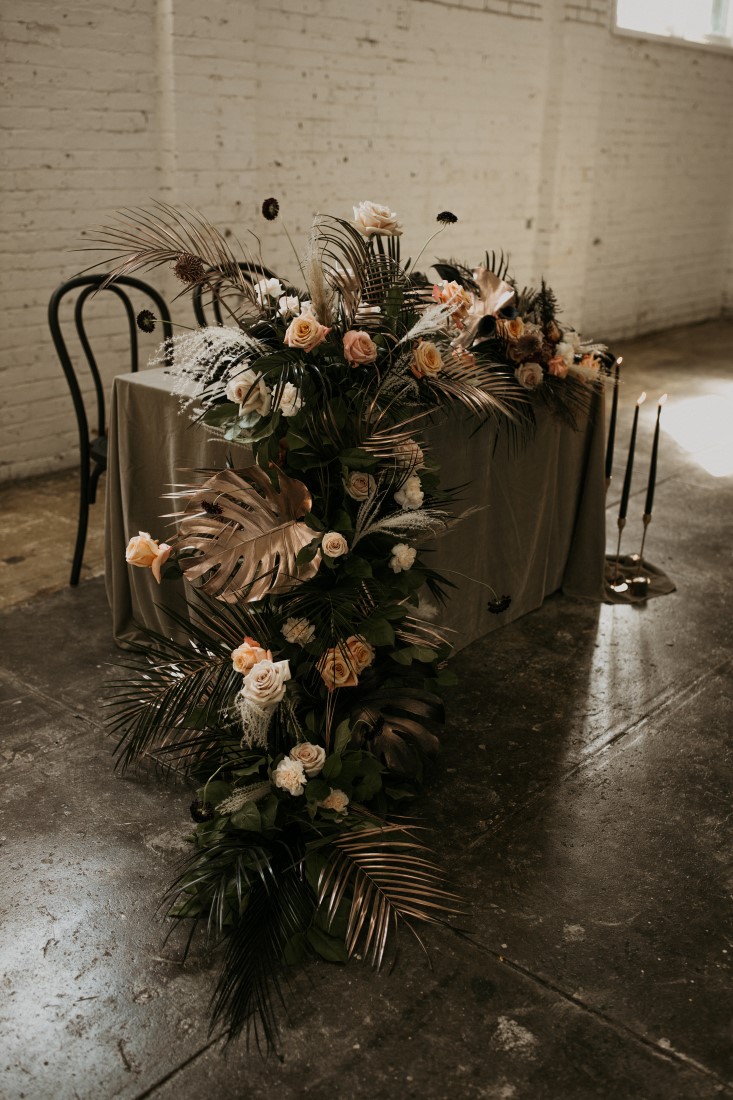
(700, 22)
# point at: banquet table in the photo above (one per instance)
(538, 524)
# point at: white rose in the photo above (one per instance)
(403, 557)
(529, 375)
(266, 289)
(334, 545)
(250, 392)
(410, 496)
(264, 684)
(337, 800)
(298, 631)
(360, 486)
(290, 776)
(290, 401)
(288, 306)
(374, 219)
(312, 757)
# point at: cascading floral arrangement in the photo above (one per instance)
(306, 700)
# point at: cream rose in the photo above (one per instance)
(359, 347)
(336, 667)
(557, 367)
(290, 400)
(248, 654)
(288, 306)
(266, 289)
(147, 553)
(334, 545)
(373, 219)
(403, 557)
(337, 800)
(250, 392)
(410, 496)
(529, 375)
(264, 684)
(290, 776)
(305, 332)
(298, 631)
(409, 454)
(426, 359)
(360, 486)
(312, 757)
(566, 351)
(362, 653)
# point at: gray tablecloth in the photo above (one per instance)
(540, 527)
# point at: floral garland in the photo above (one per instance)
(306, 700)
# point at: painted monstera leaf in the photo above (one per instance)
(243, 535)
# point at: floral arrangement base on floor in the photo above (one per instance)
(306, 703)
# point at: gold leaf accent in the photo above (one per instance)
(385, 871)
(247, 549)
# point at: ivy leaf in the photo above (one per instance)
(328, 947)
(247, 818)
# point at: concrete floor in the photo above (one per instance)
(584, 807)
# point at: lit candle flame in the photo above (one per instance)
(619, 361)
(642, 399)
(662, 399)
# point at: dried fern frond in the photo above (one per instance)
(389, 879)
(246, 550)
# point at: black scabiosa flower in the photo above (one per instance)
(189, 268)
(446, 218)
(270, 209)
(211, 508)
(146, 321)
(498, 605)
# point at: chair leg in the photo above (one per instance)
(93, 483)
(81, 533)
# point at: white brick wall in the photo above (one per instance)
(605, 163)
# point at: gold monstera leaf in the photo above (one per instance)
(245, 535)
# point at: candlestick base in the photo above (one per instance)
(632, 579)
(639, 586)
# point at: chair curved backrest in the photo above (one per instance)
(88, 286)
(253, 274)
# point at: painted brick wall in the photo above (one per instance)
(605, 163)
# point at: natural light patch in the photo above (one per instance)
(703, 426)
(704, 22)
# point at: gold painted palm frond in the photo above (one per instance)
(245, 535)
(385, 873)
(144, 239)
(481, 389)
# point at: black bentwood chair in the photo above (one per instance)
(93, 449)
(213, 294)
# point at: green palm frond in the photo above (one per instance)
(385, 873)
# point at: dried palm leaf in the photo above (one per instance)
(142, 239)
(246, 547)
(388, 879)
(481, 388)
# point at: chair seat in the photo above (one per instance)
(98, 451)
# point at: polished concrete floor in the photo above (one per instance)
(584, 807)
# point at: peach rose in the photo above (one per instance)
(362, 653)
(589, 362)
(454, 295)
(146, 553)
(359, 347)
(336, 800)
(249, 654)
(557, 366)
(334, 545)
(426, 359)
(336, 667)
(305, 333)
(312, 757)
(513, 328)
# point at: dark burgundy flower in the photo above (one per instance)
(496, 607)
(146, 321)
(201, 811)
(270, 209)
(445, 217)
(211, 508)
(189, 268)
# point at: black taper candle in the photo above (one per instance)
(653, 467)
(612, 422)
(624, 507)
